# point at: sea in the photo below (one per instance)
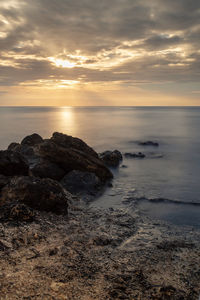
(165, 185)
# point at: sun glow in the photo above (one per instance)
(62, 63)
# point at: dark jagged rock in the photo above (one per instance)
(78, 182)
(68, 141)
(13, 163)
(40, 194)
(135, 155)
(111, 158)
(71, 159)
(47, 169)
(149, 143)
(32, 140)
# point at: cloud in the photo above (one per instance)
(119, 41)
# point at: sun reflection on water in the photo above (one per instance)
(66, 120)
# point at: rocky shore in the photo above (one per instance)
(53, 246)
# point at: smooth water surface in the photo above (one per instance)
(170, 171)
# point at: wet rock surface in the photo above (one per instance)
(81, 183)
(111, 158)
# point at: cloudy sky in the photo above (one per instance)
(99, 52)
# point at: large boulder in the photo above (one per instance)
(68, 141)
(81, 183)
(40, 194)
(70, 158)
(13, 163)
(32, 140)
(111, 158)
(47, 169)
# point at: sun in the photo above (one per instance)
(62, 63)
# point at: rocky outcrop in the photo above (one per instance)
(81, 183)
(40, 194)
(134, 155)
(111, 158)
(13, 163)
(69, 159)
(44, 163)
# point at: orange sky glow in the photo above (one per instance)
(117, 52)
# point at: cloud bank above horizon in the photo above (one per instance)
(116, 52)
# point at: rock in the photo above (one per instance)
(12, 163)
(111, 158)
(13, 146)
(135, 155)
(149, 143)
(32, 140)
(124, 166)
(78, 182)
(70, 159)
(41, 194)
(68, 141)
(47, 169)
(17, 212)
(25, 150)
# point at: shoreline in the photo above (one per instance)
(54, 246)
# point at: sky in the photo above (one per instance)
(99, 52)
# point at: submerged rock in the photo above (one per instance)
(149, 143)
(111, 158)
(78, 182)
(134, 155)
(40, 194)
(13, 163)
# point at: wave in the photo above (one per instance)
(160, 200)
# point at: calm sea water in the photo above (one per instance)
(170, 172)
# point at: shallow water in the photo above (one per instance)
(170, 171)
